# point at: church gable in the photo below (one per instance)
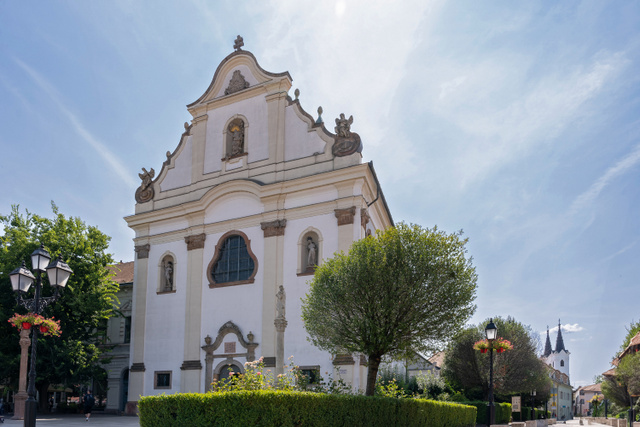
(246, 126)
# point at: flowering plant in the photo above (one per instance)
(26, 321)
(481, 345)
(499, 345)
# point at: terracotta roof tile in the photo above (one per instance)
(123, 271)
(438, 359)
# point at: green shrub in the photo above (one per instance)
(502, 415)
(295, 408)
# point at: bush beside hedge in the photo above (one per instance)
(292, 408)
(502, 416)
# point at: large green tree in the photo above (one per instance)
(403, 290)
(515, 371)
(625, 381)
(83, 307)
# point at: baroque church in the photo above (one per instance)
(230, 230)
(561, 400)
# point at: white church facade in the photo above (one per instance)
(560, 401)
(227, 235)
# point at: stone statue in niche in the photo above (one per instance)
(346, 142)
(236, 129)
(281, 299)
(168, 275)
(312, 253)
(145, 192)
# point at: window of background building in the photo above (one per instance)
(127, 329)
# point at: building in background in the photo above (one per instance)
(560, 401)
(583, 396)
(228, 234)
(119, 339)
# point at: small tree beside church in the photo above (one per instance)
(406, 289)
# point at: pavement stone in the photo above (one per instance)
(63, 420)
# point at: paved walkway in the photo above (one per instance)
(60, 420)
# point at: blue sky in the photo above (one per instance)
(518, 123)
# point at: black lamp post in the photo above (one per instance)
(21, 279)
(533, 398)
(492, 332)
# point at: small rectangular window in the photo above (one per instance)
(162, 380)
(127, 329)
(311, 374)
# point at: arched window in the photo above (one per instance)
(233, 263)
(562, 363)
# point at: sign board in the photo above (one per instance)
(515, 404)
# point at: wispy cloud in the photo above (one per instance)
(78, 127)
(568, 328)
(620, 168)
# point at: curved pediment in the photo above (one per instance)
(236, 73)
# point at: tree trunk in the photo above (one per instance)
(43, 397)
(372, 374)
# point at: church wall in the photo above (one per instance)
(310, 197)
(255, 111)
(231, 206)
(299, 141)
(164, 329)
(160, 227)
(180, 174)
(241, 304)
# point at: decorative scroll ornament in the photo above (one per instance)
(145, 192)
(237, 83)
(347, 142)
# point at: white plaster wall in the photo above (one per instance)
(160, 227)
(165, 320)
(246, 73)
(241, 304)
(296, 287)
(180, 175)
(310, 197)
(230, 206)
(256, 131)
(299, 142)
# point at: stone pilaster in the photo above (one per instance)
(191, 375)
(346, 221)
(136, 373)
(272, 276)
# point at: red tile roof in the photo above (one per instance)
(123, 271)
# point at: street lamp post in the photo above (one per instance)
(21, 279)
(491, 332)
(533, 397)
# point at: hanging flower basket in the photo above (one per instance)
(500, 345)
(26, 321)
(482, 345)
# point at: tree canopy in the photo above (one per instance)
(515, 371)
(83, 307)
(625, 381)
(403, 290)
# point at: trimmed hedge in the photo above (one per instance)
(502, 416)
(293, 408)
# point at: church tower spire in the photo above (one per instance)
(559, 340)
(547, 345)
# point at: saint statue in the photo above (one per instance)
(168, 276)
(312, 256)
(281, 299)
(237, 138)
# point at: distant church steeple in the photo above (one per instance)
(559, 340)
(547, 345)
